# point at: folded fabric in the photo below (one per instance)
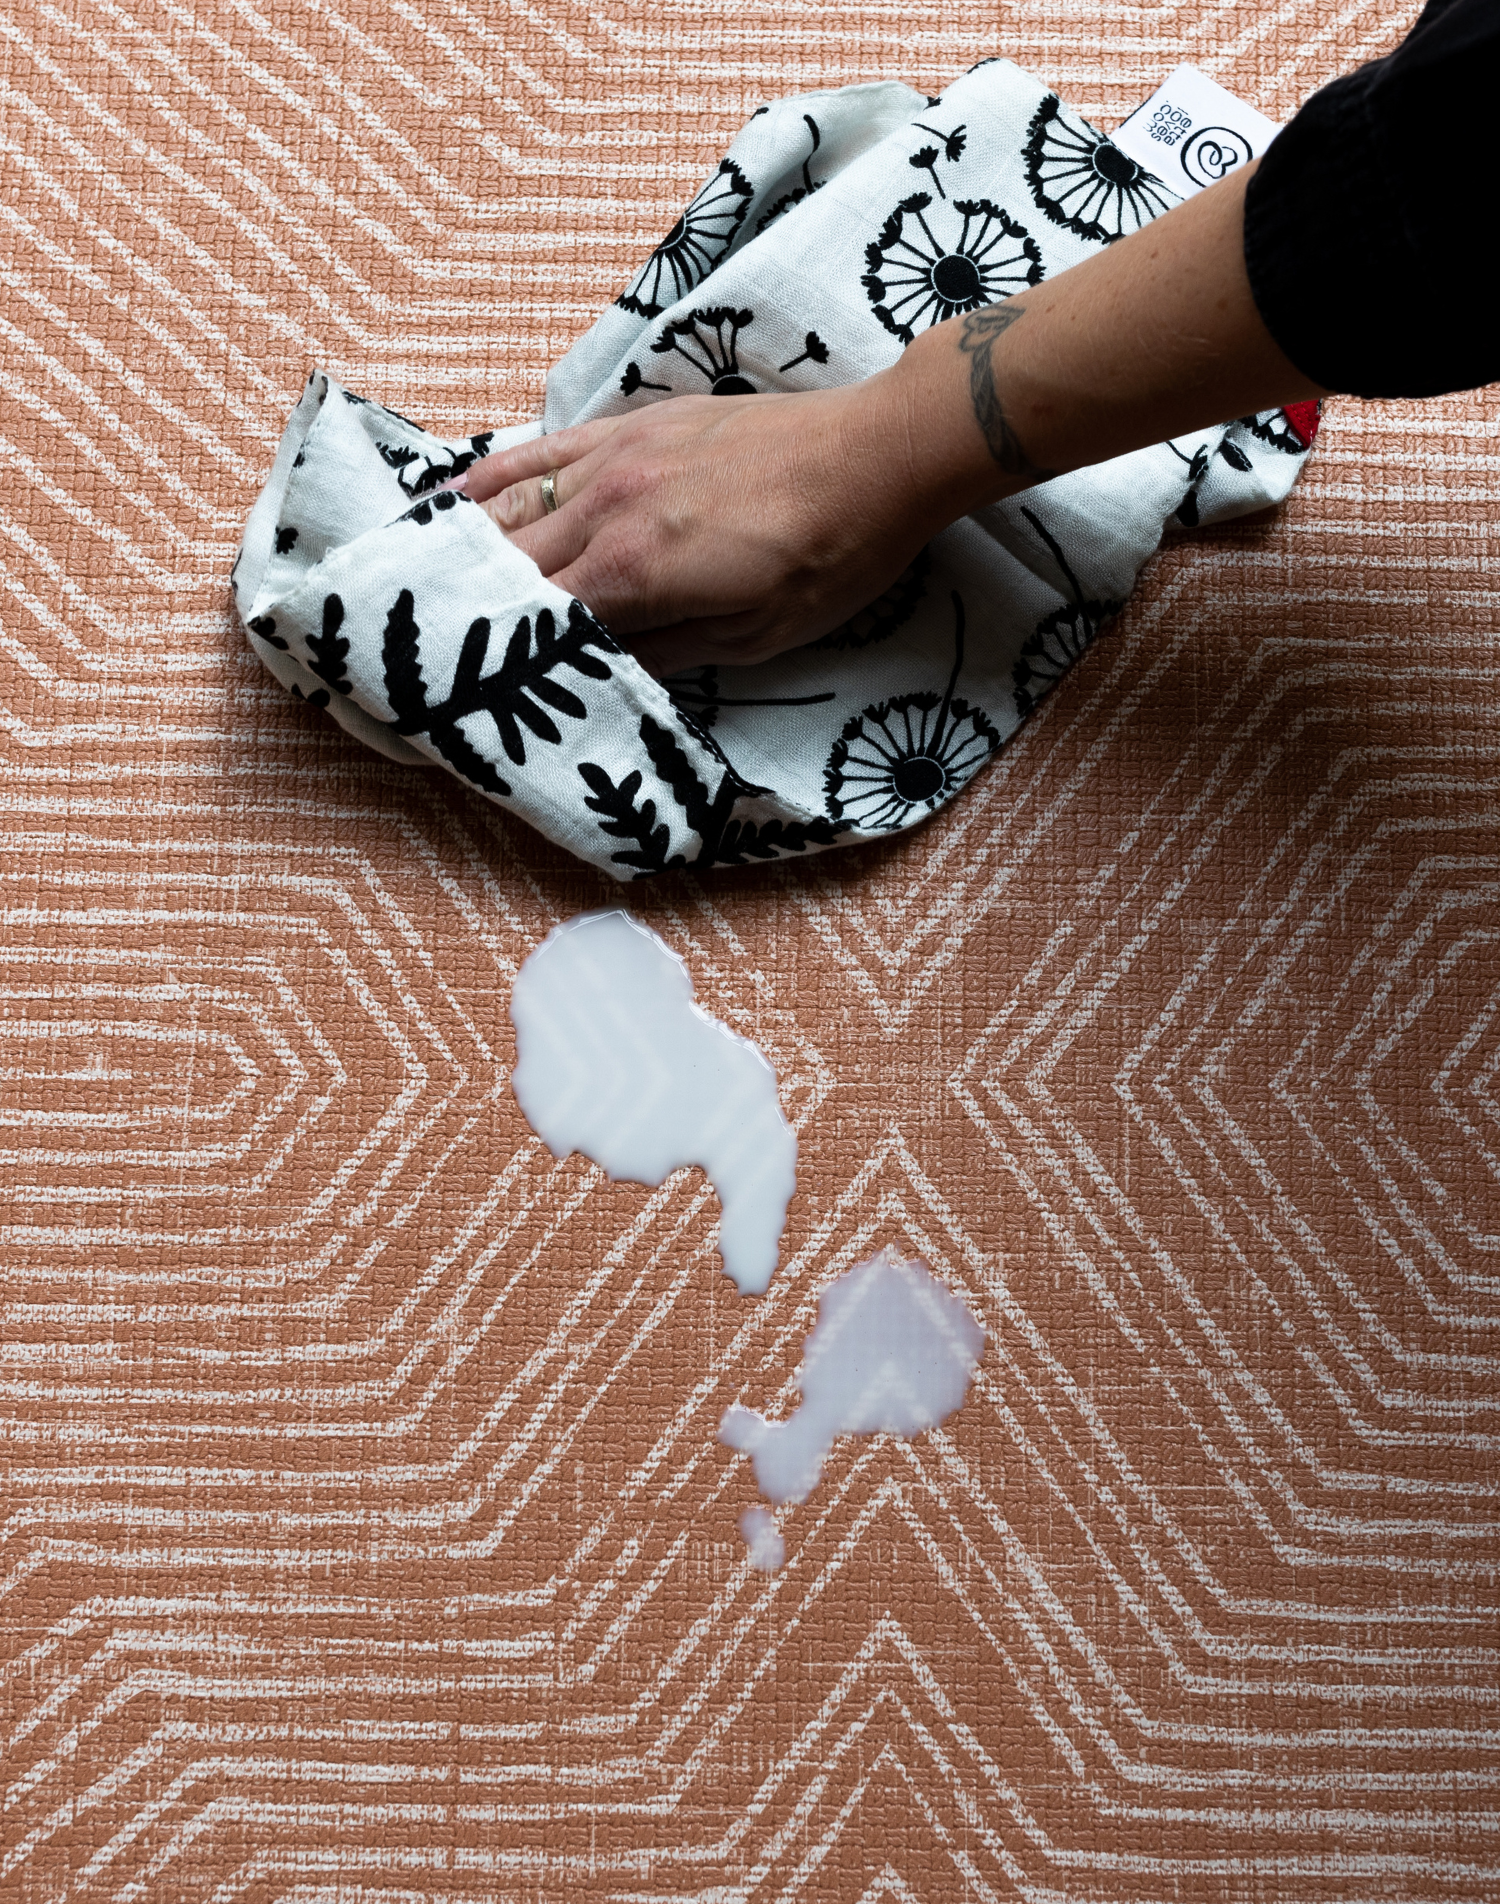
(839, 226)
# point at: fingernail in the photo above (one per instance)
(456, 482)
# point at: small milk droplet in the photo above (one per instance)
(763, 1538)
(615, 1060)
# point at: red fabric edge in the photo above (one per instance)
(1304, 419)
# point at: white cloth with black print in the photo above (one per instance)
(839, 226)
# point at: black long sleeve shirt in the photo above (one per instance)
(1370, 225)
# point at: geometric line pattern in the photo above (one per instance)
(365, 1530)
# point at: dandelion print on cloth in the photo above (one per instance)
(839, 227)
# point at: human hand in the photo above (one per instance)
(726, 529)
(720, 529)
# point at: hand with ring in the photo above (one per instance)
(725, 529)
(716, 529)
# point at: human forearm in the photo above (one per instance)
(725, 529)
(1153, 338)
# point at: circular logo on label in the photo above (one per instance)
(1213, 152)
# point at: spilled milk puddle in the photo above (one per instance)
(614, 1059)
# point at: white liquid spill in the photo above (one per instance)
(892, 1353)
(617, 1061)
(763, 1538)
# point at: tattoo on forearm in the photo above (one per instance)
(980, 332)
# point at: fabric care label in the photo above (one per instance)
(1192, 133)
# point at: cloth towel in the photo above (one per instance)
(839, 225)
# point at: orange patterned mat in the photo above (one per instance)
(365, 1531)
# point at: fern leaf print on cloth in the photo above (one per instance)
(839, 226)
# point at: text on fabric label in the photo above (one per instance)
(1191, 132)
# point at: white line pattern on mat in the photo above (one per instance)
(365, 1530)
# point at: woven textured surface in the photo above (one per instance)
(365, 1533)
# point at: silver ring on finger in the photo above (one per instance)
(549, 491)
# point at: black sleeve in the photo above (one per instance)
(1369, 226)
